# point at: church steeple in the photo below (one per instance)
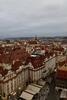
(35, 38)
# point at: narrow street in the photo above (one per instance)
(53, 95)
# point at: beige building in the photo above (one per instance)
(22, 74)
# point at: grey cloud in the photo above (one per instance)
(29, 17)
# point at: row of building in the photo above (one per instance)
(24, 63)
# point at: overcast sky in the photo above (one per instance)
(33, 17)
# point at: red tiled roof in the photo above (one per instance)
(19, 54)
(16, 65)
(58, 49)
(3, 71)
(16, 54)
(61, 74)
(4, 58)
(36, 61)
(48, 54)
(1, 50)
(32, 42)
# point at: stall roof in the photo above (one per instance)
(36, 85)
(30, 91)
(26, 96)
(33, 89)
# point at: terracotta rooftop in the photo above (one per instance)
(36, 61)
(3, 72)
(15, 54)
(59, 49)
(32, 42)
(16, 65)
(62, 73)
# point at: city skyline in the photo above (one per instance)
(29, 18)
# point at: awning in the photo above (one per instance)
(33, 88)
(30, 91)
(26, 96)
